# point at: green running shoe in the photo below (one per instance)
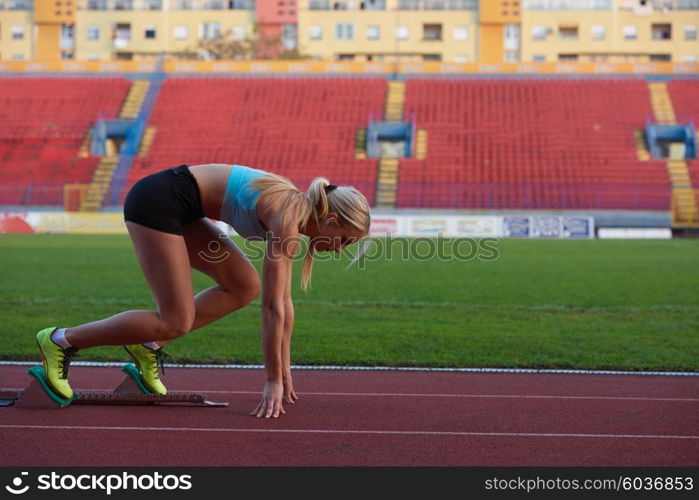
(147, 361)
(56, 361)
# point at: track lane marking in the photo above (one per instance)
(486, 370)
(428, 395)
(345, 431)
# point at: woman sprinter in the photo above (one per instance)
(168, 218)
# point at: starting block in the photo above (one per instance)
(131, 391)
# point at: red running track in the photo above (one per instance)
(374, 418)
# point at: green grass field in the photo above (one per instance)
(630, 305)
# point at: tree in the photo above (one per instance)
(224, 47)
(258, 46)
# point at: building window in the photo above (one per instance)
(431, 32)
(630, 32)
(539, 58)
(660, 57)
(97, 5)
(181, 32)
(460, 33)
(567, 32)
(67, 39)
(402, 33)
(153, 4)
(689, 58)
(149, 33)
(93, 32)
(511, 56)
(183, 5)
(289, 36)
(210, 31)
(567, 57)
(690, 32)
(17, 57)
(432, 57)
(373, 32)
(661, 31)
(17, 32)
(123, 4)
(598, 32)
(461, 58)
(238, 33)
(512, 32)
(540, 32)
(344, 31)
(315, 32)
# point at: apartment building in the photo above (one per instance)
(486, 31)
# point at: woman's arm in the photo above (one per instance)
(282, 246)
(273, 311)
(289, 394)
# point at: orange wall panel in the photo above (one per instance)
(491, 44)
(48, 42)
(500, 11)
(54, 11)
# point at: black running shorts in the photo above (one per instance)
(165, 201)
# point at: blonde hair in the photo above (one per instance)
(298, 208)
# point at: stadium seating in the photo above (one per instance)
(43, 121)
(531, 144)
(300, 128)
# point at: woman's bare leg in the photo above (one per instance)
(215, 255)
(165, 265)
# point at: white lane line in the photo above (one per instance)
(344, 431)
(468, 396)
(427, 395)
(388, 368)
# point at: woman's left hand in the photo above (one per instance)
(289, 393)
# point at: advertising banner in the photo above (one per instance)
(447, 226)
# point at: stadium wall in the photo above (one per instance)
(524, 224)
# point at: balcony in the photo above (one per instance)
(347, 5)
(660, 5)
(432, 32)
(437, 4)
(20, 5)
(160, 4)
(567, 4)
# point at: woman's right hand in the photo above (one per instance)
(271, 403)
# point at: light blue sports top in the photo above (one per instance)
(238, 207)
